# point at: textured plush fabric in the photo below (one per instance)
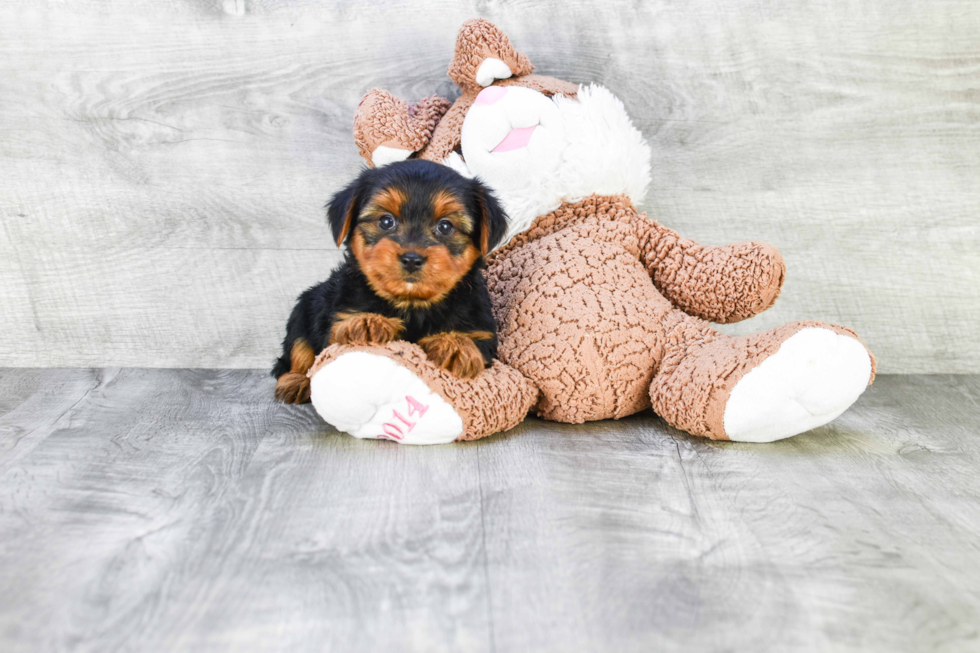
(445, 137)
(585, 334)
(432, 126)
(601, 311)
(477, 41)
(578, 312)
(495, 401)
(723, 284)
(700, 367)
(383, 119)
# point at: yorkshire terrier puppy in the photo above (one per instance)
(415, 235)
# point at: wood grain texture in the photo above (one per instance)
(152, 510)
(183, 510)
(165, 163)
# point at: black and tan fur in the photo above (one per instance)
(415, 235)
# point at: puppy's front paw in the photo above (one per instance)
(454, 352)
(293, 388)
(365, 329)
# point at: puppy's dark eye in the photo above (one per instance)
(386, 222)
(445, 227)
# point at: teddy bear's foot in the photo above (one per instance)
(762, 387)
(814, 376)
(393, 391)
(371, 396)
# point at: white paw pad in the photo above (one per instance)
(371, 396)
(814, 377)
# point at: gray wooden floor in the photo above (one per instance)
(182, 510)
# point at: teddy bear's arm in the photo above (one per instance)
(722, 284)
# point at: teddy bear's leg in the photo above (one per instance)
(758, 388)
(723, 284)
(394, 392)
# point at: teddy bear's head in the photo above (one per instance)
(535, 140)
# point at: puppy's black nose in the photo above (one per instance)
(412, 261)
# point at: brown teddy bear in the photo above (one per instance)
(601, 311)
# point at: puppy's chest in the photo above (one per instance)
(417, 323)
(420, 324)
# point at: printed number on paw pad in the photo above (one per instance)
(395, 431)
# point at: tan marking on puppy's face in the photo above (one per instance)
(448, 256)
(390, 200)
(442, 272)
(445, 204)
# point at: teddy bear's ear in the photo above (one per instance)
(484, 54)
(388, 129)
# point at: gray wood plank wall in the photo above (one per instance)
(163, 163)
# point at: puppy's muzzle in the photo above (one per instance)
(412, 261)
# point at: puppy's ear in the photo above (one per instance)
(492, 219)
(345, 206)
